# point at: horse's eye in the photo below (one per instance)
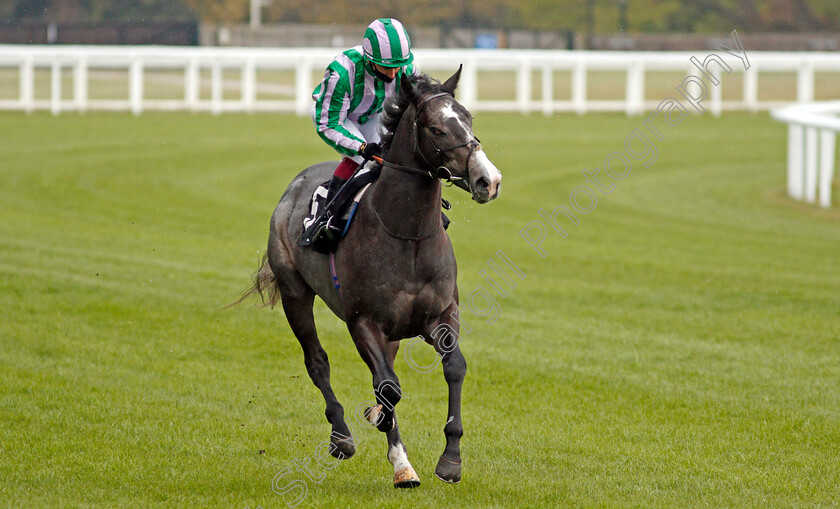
(436, 131)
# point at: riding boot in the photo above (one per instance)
(335, 184)
(345, 169)
(330, 230)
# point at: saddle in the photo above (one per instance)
(323, 230)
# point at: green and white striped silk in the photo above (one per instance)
(350, 92)
(387, 43)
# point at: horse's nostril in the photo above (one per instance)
(482, 183)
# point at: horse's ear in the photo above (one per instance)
(406, 88)
(452, 83)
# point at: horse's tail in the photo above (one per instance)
(264, 285)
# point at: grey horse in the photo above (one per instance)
(396, 265)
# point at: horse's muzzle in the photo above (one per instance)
(482, 192)
(485, 178)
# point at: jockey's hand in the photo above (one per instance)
(368, 150)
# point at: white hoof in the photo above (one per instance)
(406, 478)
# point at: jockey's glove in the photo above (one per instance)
(368, 150)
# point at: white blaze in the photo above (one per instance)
(449, 112)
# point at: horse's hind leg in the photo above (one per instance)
(404, 474)
(298, 299)
(372, 346)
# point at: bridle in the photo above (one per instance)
(441, 172)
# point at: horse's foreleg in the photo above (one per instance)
(404, 474)
(298, 308)
(454, 369)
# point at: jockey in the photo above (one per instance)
(348, 102)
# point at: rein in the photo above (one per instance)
(407, 169)
(401, 237)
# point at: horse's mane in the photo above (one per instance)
(397, 105)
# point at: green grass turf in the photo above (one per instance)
(679, 348)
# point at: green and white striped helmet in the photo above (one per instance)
(386, 43)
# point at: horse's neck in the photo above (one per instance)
(408, 204)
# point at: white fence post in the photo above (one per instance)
(811, 141)
(191, 84)
(635, 88)
(27, 83)
(136, 84)
(249, 84)
(303, 86)
(216, 87)
(717, 94)
(523, 85)
(55, 86)
(805, 82)
(80, 83)
(579, 87)
(796, 135)
(468, 85)
(827, 142)
(751, 87)
(547, 89)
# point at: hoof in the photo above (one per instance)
(448, 471)
(344, 448)
(406, 478)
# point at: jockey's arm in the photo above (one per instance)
(331, 107)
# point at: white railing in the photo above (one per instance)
(812, 133)
(200, 92)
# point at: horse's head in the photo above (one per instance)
(446, 143)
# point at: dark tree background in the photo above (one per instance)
(604, 16)
(69, 11)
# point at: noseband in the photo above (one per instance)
(442, 172)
